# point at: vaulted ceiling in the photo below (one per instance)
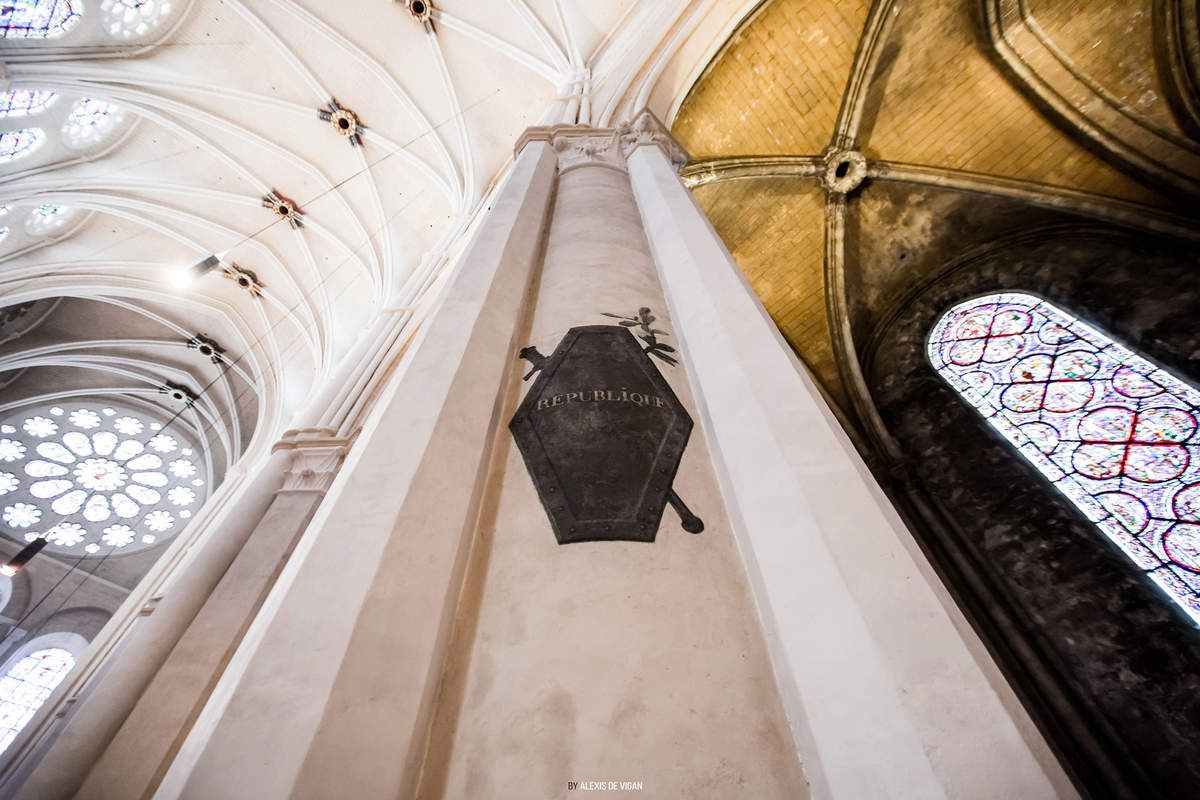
(223, 104)
(975, 118)
(232, 111)
(274, 182)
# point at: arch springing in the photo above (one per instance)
(1113, 432)
(26, 687)
(38, 19)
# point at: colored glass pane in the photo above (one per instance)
(26, 687)
(1113, 432)
(89, 122)
(24, 102)
(38, 19)
(90, 478)
(46, 218)
(131, 19)
(20, 143)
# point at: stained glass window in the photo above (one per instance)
(1113, 432)
(20, 143)
(89, 122)
(26, 687)
(128, 19)
(24, 102)
(93, 478)
(47, 217)
(38, 19)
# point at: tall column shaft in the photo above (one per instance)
(599, 526)
(888, 692)
(106, 701)
(605, 660)
(342, 664)
(138, 756)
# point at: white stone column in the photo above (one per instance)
(58, 767)
(888, 692)
(138, 755)
(603, 659)
(403, 504)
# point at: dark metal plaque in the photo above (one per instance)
(602, 434)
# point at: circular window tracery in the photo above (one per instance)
(92, 479)
(48, 217)
(1114, 433)
(130, 19)
(20, 143)
(90, 122)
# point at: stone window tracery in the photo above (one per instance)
(128, 19)
(25, 102)
(90, 478)
(27, 685)
(38, 19)
(1113, 432)
(46, 218)
(90, 122)
(20, 143)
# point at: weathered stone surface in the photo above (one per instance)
(1126, 661)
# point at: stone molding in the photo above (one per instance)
(646, 129)
(316, 457)
(1035, 65)
(582, 145)
(845, 170)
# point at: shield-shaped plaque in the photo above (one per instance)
(602, 434)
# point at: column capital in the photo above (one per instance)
(316, 456)
(647, 129)
(580, 145)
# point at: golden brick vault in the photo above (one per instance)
(931, 100)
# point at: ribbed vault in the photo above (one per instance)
(939, 116)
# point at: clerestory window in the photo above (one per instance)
(1113, 432)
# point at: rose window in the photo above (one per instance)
(1113, 432)
(94, 479)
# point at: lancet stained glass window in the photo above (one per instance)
(1113, 432)
(26, 687)
(38, 19)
